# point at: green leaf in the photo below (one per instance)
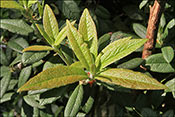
(79, 47)
(103, 41)
(129, 79)
(171, 85)
(12, 84)
(6, 97)
(50, 22)
(168, 53)
(87, 29)
(117, 50)
(69, 9)
(62, 35)
(37, 48)
(169, 113)
(5, 82)
(74, 102)
(131, 64)
(143, 3)
(32, 101)
(88, 105)
(16, 60)
(18, 44)
(24, 75)
(10, 4)
(32, 57)
(54, 77)
(147, 112)
(140, 30)
(157, 63)
(31, 2)
(16, 26)
(3, 58)
(44, 34)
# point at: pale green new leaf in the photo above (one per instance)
(129, 79)
(168, 53)
(54, 77)
(74, 102)
(44, 34)
(37, 48)
(10, 4)
(62, 35)
(79, 47)
(117, 50)
(50, 23)
(87, 29)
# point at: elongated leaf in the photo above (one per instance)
(16, 26)
(140, 30)
(50, 23)
(10, 4)
(44, 34)
(168, 53)
(129, 79)
(87, 29)
(62, 35)
(24, 75)
(32, 57)
(18, 44)
(6, 97)
(131, 64)
(37, 48)
(88, 105)
(74, 102)
(79, 46)
(117, 50)
(54, 77)
(157, 63)
(3, 58)
(5, 82)
(143, 3)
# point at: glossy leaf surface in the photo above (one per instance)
(74, 102)
(16, 26)
(117, 50)
(129, 79)
(50, 23)
(54, 77)
(87, 29)
(37, 48)
(79, 46)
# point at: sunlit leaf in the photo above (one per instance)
(117, 50)
(62, 35)
(87, 29)
(171, 85)
(37, 48)
(79, 46)
(10, 4)
(74, 102)
(50, 23)
(129, 79)
(54, 77)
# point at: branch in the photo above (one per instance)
(152, 29)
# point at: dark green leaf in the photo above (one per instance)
(3, 57)
(32, 57)
(169, 113)
(16, 60)
(16, 26)
(18, 44)
(168, 53)
(140, 30)
(103, 41)
(12, 84)
(157, 63)
(147, 112)
(5, 82)
(74, 102)
(131, 64)
(24, 75)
